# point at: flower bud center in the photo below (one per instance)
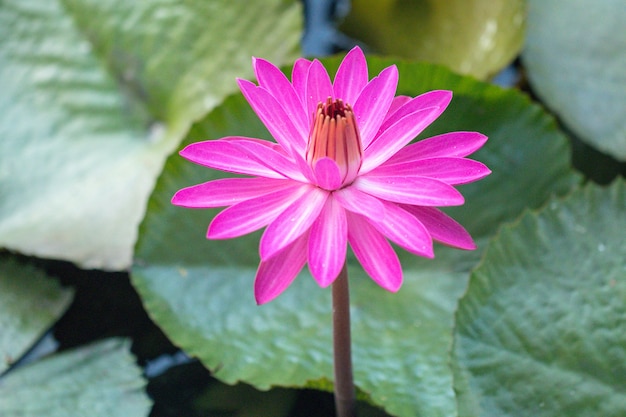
(335, 135)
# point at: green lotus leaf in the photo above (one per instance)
(95, 94)
(541, 330)
(575, 56)
(100, 380)
(473, 37)
(30, 303)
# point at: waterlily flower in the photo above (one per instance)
(341, 172)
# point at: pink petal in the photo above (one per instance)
(359, 202)
(404, 229)
(277, 273)
(396, 137)
(327, 174)
(273, 80)
(452, 171)
(328, 243)
(442, 227)
(435, 98)
(262, 154)
(272, 145)
(227, 191)
(224, 155)
(453, 144)
(394, 222)
(293, 221)
(250, 215)
(374, 102)
(374, 253)
(318, 88)
(298, 79)
(305, 168)
(398, 101)
(391, 220)
(274, 117)
(418, 191)
(351, 76)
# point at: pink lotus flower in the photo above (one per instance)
(340, 173)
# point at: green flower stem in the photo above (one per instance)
(344, 382)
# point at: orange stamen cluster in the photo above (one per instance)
(335, 135)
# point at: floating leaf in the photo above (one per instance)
(200, 292)
(220, 399)
(30, 303)
(575, 56)
(100, 380)
(474, 37)
(95, 94)
(541, 330)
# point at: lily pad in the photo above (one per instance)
(541, 330)
(30, 303)
(200, 292)
(579, 74)
(100, 380)
(220, 399)
(473, 37)
(95, 94)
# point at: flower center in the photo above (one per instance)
(335, 135)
